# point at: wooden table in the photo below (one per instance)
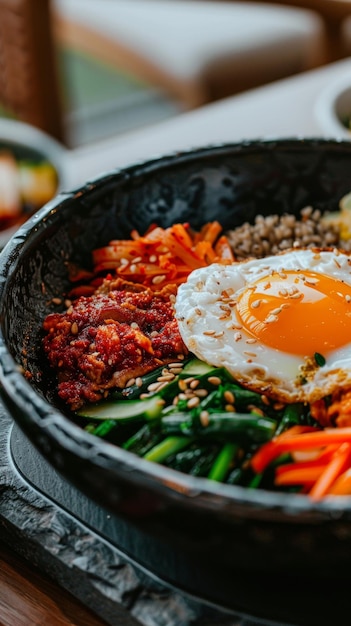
(28, 598)
(285, 109)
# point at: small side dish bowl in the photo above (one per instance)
(228, 525)
(31, 173)
(333, 108)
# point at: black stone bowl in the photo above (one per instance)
(228, 527)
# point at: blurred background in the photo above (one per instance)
(83, 70)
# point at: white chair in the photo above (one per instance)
(196, 51)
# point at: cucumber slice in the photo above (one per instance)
(149, 408)
(195, 367)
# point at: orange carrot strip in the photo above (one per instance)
(204, 250)
(300, 476)
(342, 485)
(298, 429)
(338, 464)
(321, 461)
(269, 451)
(178, 249)
(211, 232)
(223, 250)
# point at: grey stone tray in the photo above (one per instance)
(82, 559)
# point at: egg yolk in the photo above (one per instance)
(299, 312)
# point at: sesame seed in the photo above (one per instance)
(348, 298)
(253, 354)
(193, 402)
(219, 335)
(158, 279)
(229, 408)
(74, 328)
(155, 386)
(255, 304)
(176, 370)
(182, 385)
(270, 319)
(201, 393)
(194, 383)
(204, 418)
(214, 380)
(166, 377)
(134, 325)
(153, 258)
(296, 295)
(130, 382)
(209, 333)
(138, 381)
(225, 316)
(227, 292)
(137, 259)
(56, 300)
(133, 268)
(182, 396)
(198, 311)
(312, 281)
(229, 396)
(237, 336)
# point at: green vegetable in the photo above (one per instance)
(148, 408)
(202, 422)
(244, 428)
(165, 448)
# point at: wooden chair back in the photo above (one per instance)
(29, 84)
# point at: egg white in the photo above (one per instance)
(205, 309)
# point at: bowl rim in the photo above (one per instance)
(45, 418)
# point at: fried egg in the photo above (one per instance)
(280, 325)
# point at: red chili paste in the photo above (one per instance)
(102, 341)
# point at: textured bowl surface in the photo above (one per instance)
(231, 183)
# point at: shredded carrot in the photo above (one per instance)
(164, 255)
(283, 444)
(336, 466)
(299, 476)
(342, 485)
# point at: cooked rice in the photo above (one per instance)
(275, 233)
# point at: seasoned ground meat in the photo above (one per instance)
(102, 341)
